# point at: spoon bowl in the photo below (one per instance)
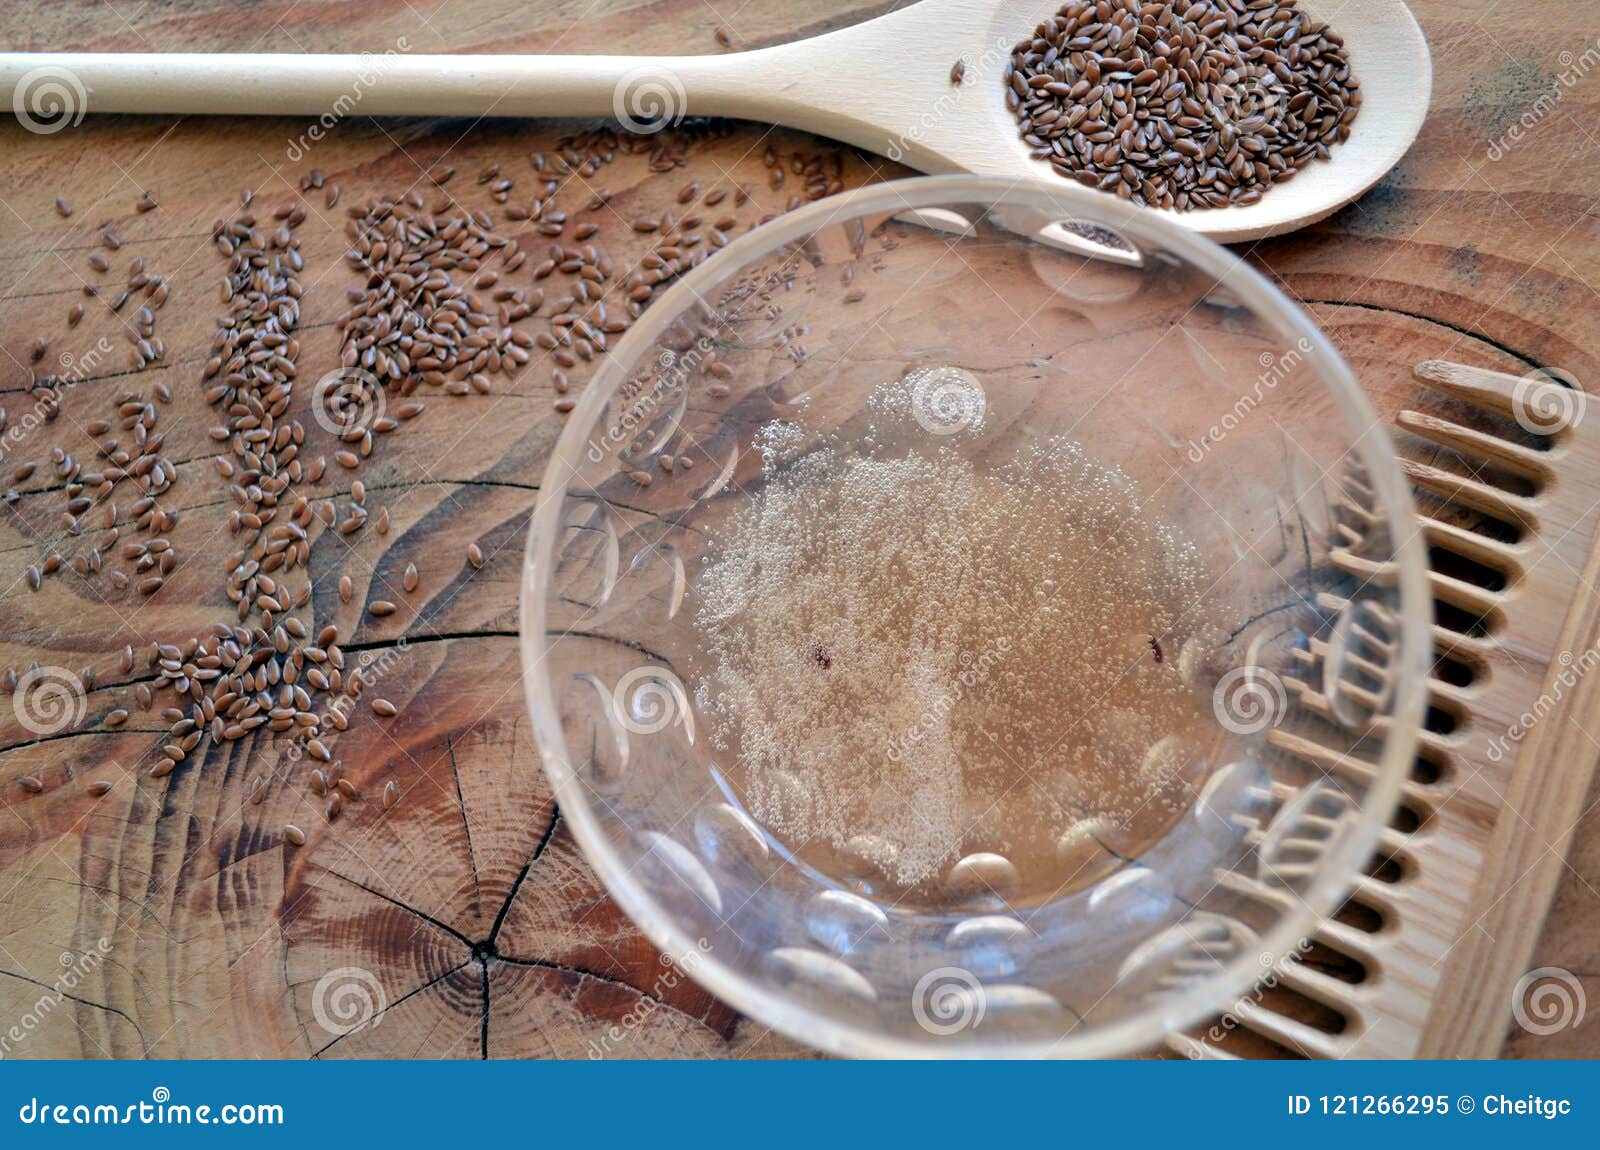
(884, 85)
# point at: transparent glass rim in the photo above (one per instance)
(1145, 1028)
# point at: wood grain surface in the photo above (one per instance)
(167, 918)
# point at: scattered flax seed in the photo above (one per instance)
(385, 708)
(100, 788)
(381, 608)
(724, 37)
(116, 718)
(391, 795)
(475, 555)
(409, 579)
(293, 834)
(63, 208)
(35, 785)
(145, 204)
(382, 523)
(345, 587)
(958, 72)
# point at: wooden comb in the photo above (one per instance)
(1423, 958)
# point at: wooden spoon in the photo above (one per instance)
(884, 85)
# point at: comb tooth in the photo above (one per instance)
(1315, 985)
(1479, 548)
(1287, 1032)
(1472, 493)
(1346, 939)
(1379, 571)
(1317, 650)
(1475, 649)
(1468, 596)
(1458, 593)
(1243, 884)
(1197, 1051)
(1491, 390)
(1334, 762)
(1379, 725)
(1458, 698)
(1439, 691)
(1513, 457)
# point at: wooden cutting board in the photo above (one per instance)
(470, 904)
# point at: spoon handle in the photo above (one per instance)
(632, 88)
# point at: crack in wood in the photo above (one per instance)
(1446, 324)
(466, 824)
(53, 989)
(407, 907)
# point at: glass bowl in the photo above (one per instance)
(969, 618)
